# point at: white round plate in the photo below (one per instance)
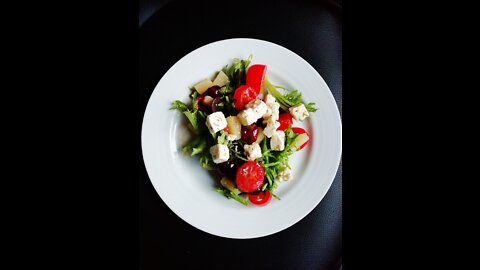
(189, 190)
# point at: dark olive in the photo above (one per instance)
(217, 104)
(249, 133)
(213, 91)
(228, 168)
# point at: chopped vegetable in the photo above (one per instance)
(234, 126)
(203, 86)
(247, 146)
(302, 138)
(255, 76)
(221, 79)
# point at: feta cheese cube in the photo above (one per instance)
(272, 109)
(247, 117)
(219, 153)
(258, 106)
(216, 122)
(277, 143)
(285, 175)
(271, 127)
(299, 112)
(252, 151)
(269, 99)
(275, 112)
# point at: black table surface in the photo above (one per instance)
(313, 30)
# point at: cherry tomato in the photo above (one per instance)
(249, 176)
(255, 76)
(243, 94)
(260, 198)
(298, 130)
(285, 120)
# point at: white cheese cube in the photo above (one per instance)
(258, 106)
(252, 151)
(247, 117)
(269, 99)
(219, 153)
(299, 112)
(275, 112)
(277, 143)
(271, 127)
(285, 175)
(272, 108)
(216, 122)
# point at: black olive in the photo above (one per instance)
(213, 91)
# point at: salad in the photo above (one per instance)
(244, 133)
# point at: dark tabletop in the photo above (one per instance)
(171, 29)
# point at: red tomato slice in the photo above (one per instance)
(260, 198)
(249, 176)
(298, 130)
(243, 94)
(285, 120)
(255, 76)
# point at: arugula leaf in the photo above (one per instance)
(264, 186)
(310, 107)
(272, 164)
(178, 105)
(201, 115)
(293, 98)
(227, 89)
(222, 139)
(192, 117)
(199, 149)
(237, 72)
(193, 96)
(290, 137)
(191, 114)
(196, 146)
(230, 194)
(290, 99)
(232, 146)
(207, 162)
(274, 195)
